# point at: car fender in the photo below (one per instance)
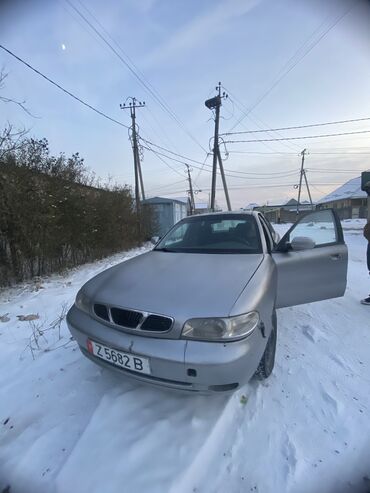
(260, 295)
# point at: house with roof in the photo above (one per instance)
(250, 207)
(166, 212)
(201, 208)
(348, 200)
(284, 211)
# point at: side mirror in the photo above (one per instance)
(155, 239)
(302, 243)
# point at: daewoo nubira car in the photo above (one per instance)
(198, 312)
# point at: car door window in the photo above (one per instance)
(311, 260)
(269, 225)
(319, 226)
(266, 232)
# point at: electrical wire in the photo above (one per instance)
(202, 167)
(231, 173)
(135, 73)
(160, 157)
(156, 189)
(300, 137)
(311, 153)
(328, 170)
(272, 154)
(200, 163)
(341, 153)
(148, 142)
(298, 60)
(248, 187)
(338, 122)
(101, 113)
(245, 111)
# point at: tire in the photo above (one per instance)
(267, 362)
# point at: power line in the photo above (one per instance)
(187, 159)
(161, 128)
(160, 157)
(299, 138)
(48, 79)
(171, 152)
(234, 100)
(299, 59)
(202, 164)
(318, 190)
(125, 55)
(339, 122)
(328, 170)
(276, 174)
(356, 148)
(134, 72)
(155, 189)
(247, 187)
(202, 167)
(274, 154)
(341, 153)
(62, 88)
(279, 186)
(247, 113)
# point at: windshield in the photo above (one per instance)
(229, 233)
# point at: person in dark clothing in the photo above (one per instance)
(366, 301)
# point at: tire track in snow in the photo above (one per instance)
(142, 439)
(46, 426)
(307, 427)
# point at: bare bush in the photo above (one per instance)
(51, 218)
(54, 213)
(45, 336)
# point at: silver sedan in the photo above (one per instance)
(198, 312)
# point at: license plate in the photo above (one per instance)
(127, 361)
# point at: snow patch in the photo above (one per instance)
(68, 425)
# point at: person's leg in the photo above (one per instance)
(366, 301)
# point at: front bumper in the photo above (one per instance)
(180, 364)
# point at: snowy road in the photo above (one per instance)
(67, 425)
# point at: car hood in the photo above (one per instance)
(179, 285)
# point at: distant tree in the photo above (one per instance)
(10, 138)
(54, 213)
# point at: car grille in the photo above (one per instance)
(126, 318)
(132, 319)
(101, 311)
(157, 323)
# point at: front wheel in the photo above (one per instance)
(267, 362)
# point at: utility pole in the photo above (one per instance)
(302, 175)
(139, 184)
(215, 103)
(191, 192)
(308, 188)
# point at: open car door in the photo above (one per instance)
(311, 260)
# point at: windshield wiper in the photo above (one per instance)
(164, 250)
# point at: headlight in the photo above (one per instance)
(221, 329)
(82, 301)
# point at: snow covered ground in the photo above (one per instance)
(67, 425)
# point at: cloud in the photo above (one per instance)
(201, 29)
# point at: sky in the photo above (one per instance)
(294, 62)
